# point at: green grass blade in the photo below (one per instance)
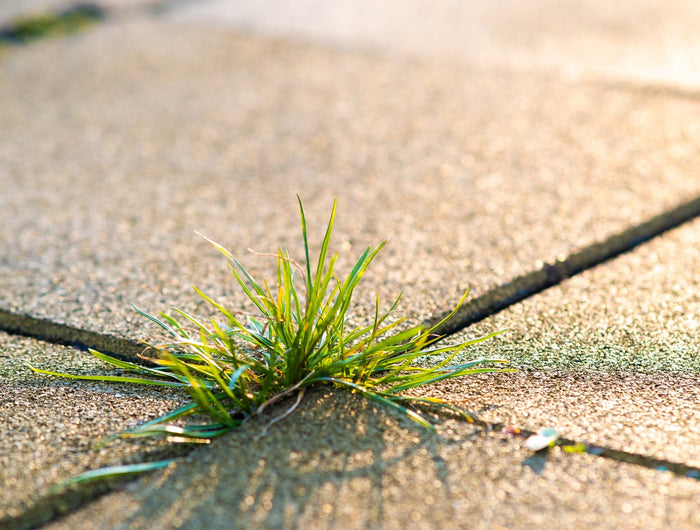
(306, 248)
(180, 412)
(132, 367)
(440, 375)
(119, 471)
(156, 321)
(387, 401)
(235, 376)
(192, 432)
(234, 369)
(109, 378)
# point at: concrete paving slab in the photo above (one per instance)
(119, 142)
(612, 355)
(51, 426)
(643, 41)
(141, 130)
(638, 312)
(653, 415)
(341, 462)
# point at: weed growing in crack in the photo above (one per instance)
(235, 369)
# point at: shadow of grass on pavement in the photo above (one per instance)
(339, 457)
(341, 460)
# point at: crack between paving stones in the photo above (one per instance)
(471, 312)
(65, 501)
(575, 447)
(58, 333)
(551, 274)
(56, 505)
(650, 88)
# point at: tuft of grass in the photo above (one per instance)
(235, 368)
(71, 20)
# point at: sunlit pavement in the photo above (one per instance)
(480, 141)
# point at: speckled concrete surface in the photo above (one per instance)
(138, 132)
(614, 354)
(638, 312)
(50, 426)
(655, 415)
(336, 463)
(120, 141)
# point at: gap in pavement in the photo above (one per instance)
(493, 301)
(658, 464)
(471, 312)
(63, 502)
(551, 274)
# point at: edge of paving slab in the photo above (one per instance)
(58, 333)
(516, 435)
(469, 313)
(550, 274)
(65, 501)
(473, 311)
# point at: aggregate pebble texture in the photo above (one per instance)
(338, 447)
(611, 356)
(341, 462)
(640, 311)
(51, 426)
(119, 142)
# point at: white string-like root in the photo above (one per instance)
(282, 416)
(284, 394)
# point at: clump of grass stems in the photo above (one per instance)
(234, 369)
